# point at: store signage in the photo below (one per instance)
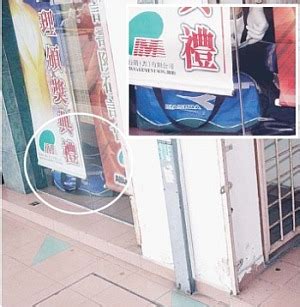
(48, 88)
(184, 48)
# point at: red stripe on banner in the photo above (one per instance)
(149, 47)
(285, 37)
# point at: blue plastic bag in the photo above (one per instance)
(172, 110)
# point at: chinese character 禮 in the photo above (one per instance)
(199, 48)
(70, 152)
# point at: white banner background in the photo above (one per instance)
(146, 70)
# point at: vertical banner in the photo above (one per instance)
(285, 37)
(184, 48)
(100, 77)
(47, 85)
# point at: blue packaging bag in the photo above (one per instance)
(94, 184)
(172, 110)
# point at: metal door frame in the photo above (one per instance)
(269, 248)
(178, 213)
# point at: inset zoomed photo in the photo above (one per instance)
(212, 70)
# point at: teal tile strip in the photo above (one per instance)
(181, 300)
(50, 247)
(16, 109)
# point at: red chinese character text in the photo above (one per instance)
(199, 49)
(206, 11)
(47, 26)
(64, 123)
(53, 57)
(70, 152)
(58, 90)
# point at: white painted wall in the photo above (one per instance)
(203, 184)
(150, 200)
(245, 204)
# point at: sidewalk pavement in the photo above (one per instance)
(44, 268)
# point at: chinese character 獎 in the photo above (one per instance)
(70, 152)
(58, 90)
(47, 26)
(206, 11)
(53, 57)
(199, 49)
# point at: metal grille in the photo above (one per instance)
(279, 169)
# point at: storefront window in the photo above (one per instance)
(67, 66)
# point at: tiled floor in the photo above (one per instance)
(96, 225)
(76, 275)
(278, 285)
(44, 268)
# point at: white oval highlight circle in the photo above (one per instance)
(128, 157)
